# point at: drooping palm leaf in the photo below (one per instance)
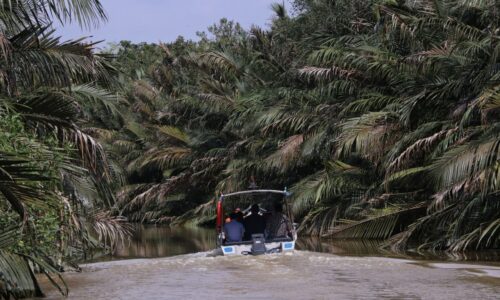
(380, 227)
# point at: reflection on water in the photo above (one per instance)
(161, 241)
(151, 241)
(373, 248)
(341, 247)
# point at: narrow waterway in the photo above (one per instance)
(164, 263)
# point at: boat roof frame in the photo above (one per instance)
(282, 192)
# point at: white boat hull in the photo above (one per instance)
(271, 247)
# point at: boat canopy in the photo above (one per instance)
(220, 209)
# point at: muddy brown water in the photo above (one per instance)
(164, 263)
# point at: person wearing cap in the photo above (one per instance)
(254, 223)
(234, 230)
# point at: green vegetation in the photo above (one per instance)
(381, 116)
(55, 191)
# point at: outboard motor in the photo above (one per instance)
(258, 244)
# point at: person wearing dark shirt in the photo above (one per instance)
(254, 223)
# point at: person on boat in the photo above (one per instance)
(238, 212)
(278, 225)
(234, 230)
(254, 223)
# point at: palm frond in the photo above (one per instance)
(381, 227)
(17, 277)
(287, 155)
(417, 149)
(464, 161)
(366, 135)
(327, 74)
(92, 95)
(279, 10)
(42, 60)
(166, 158)
(111, 230)
(174, 133)
(18, 179)
(86, 13)
(220, 61)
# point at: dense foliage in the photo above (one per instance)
(55, 181)
(381, 116)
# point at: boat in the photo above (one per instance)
(259, 243)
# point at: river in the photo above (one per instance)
(164, 263)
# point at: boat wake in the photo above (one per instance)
(297, 275)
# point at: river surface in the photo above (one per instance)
(164, 263)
